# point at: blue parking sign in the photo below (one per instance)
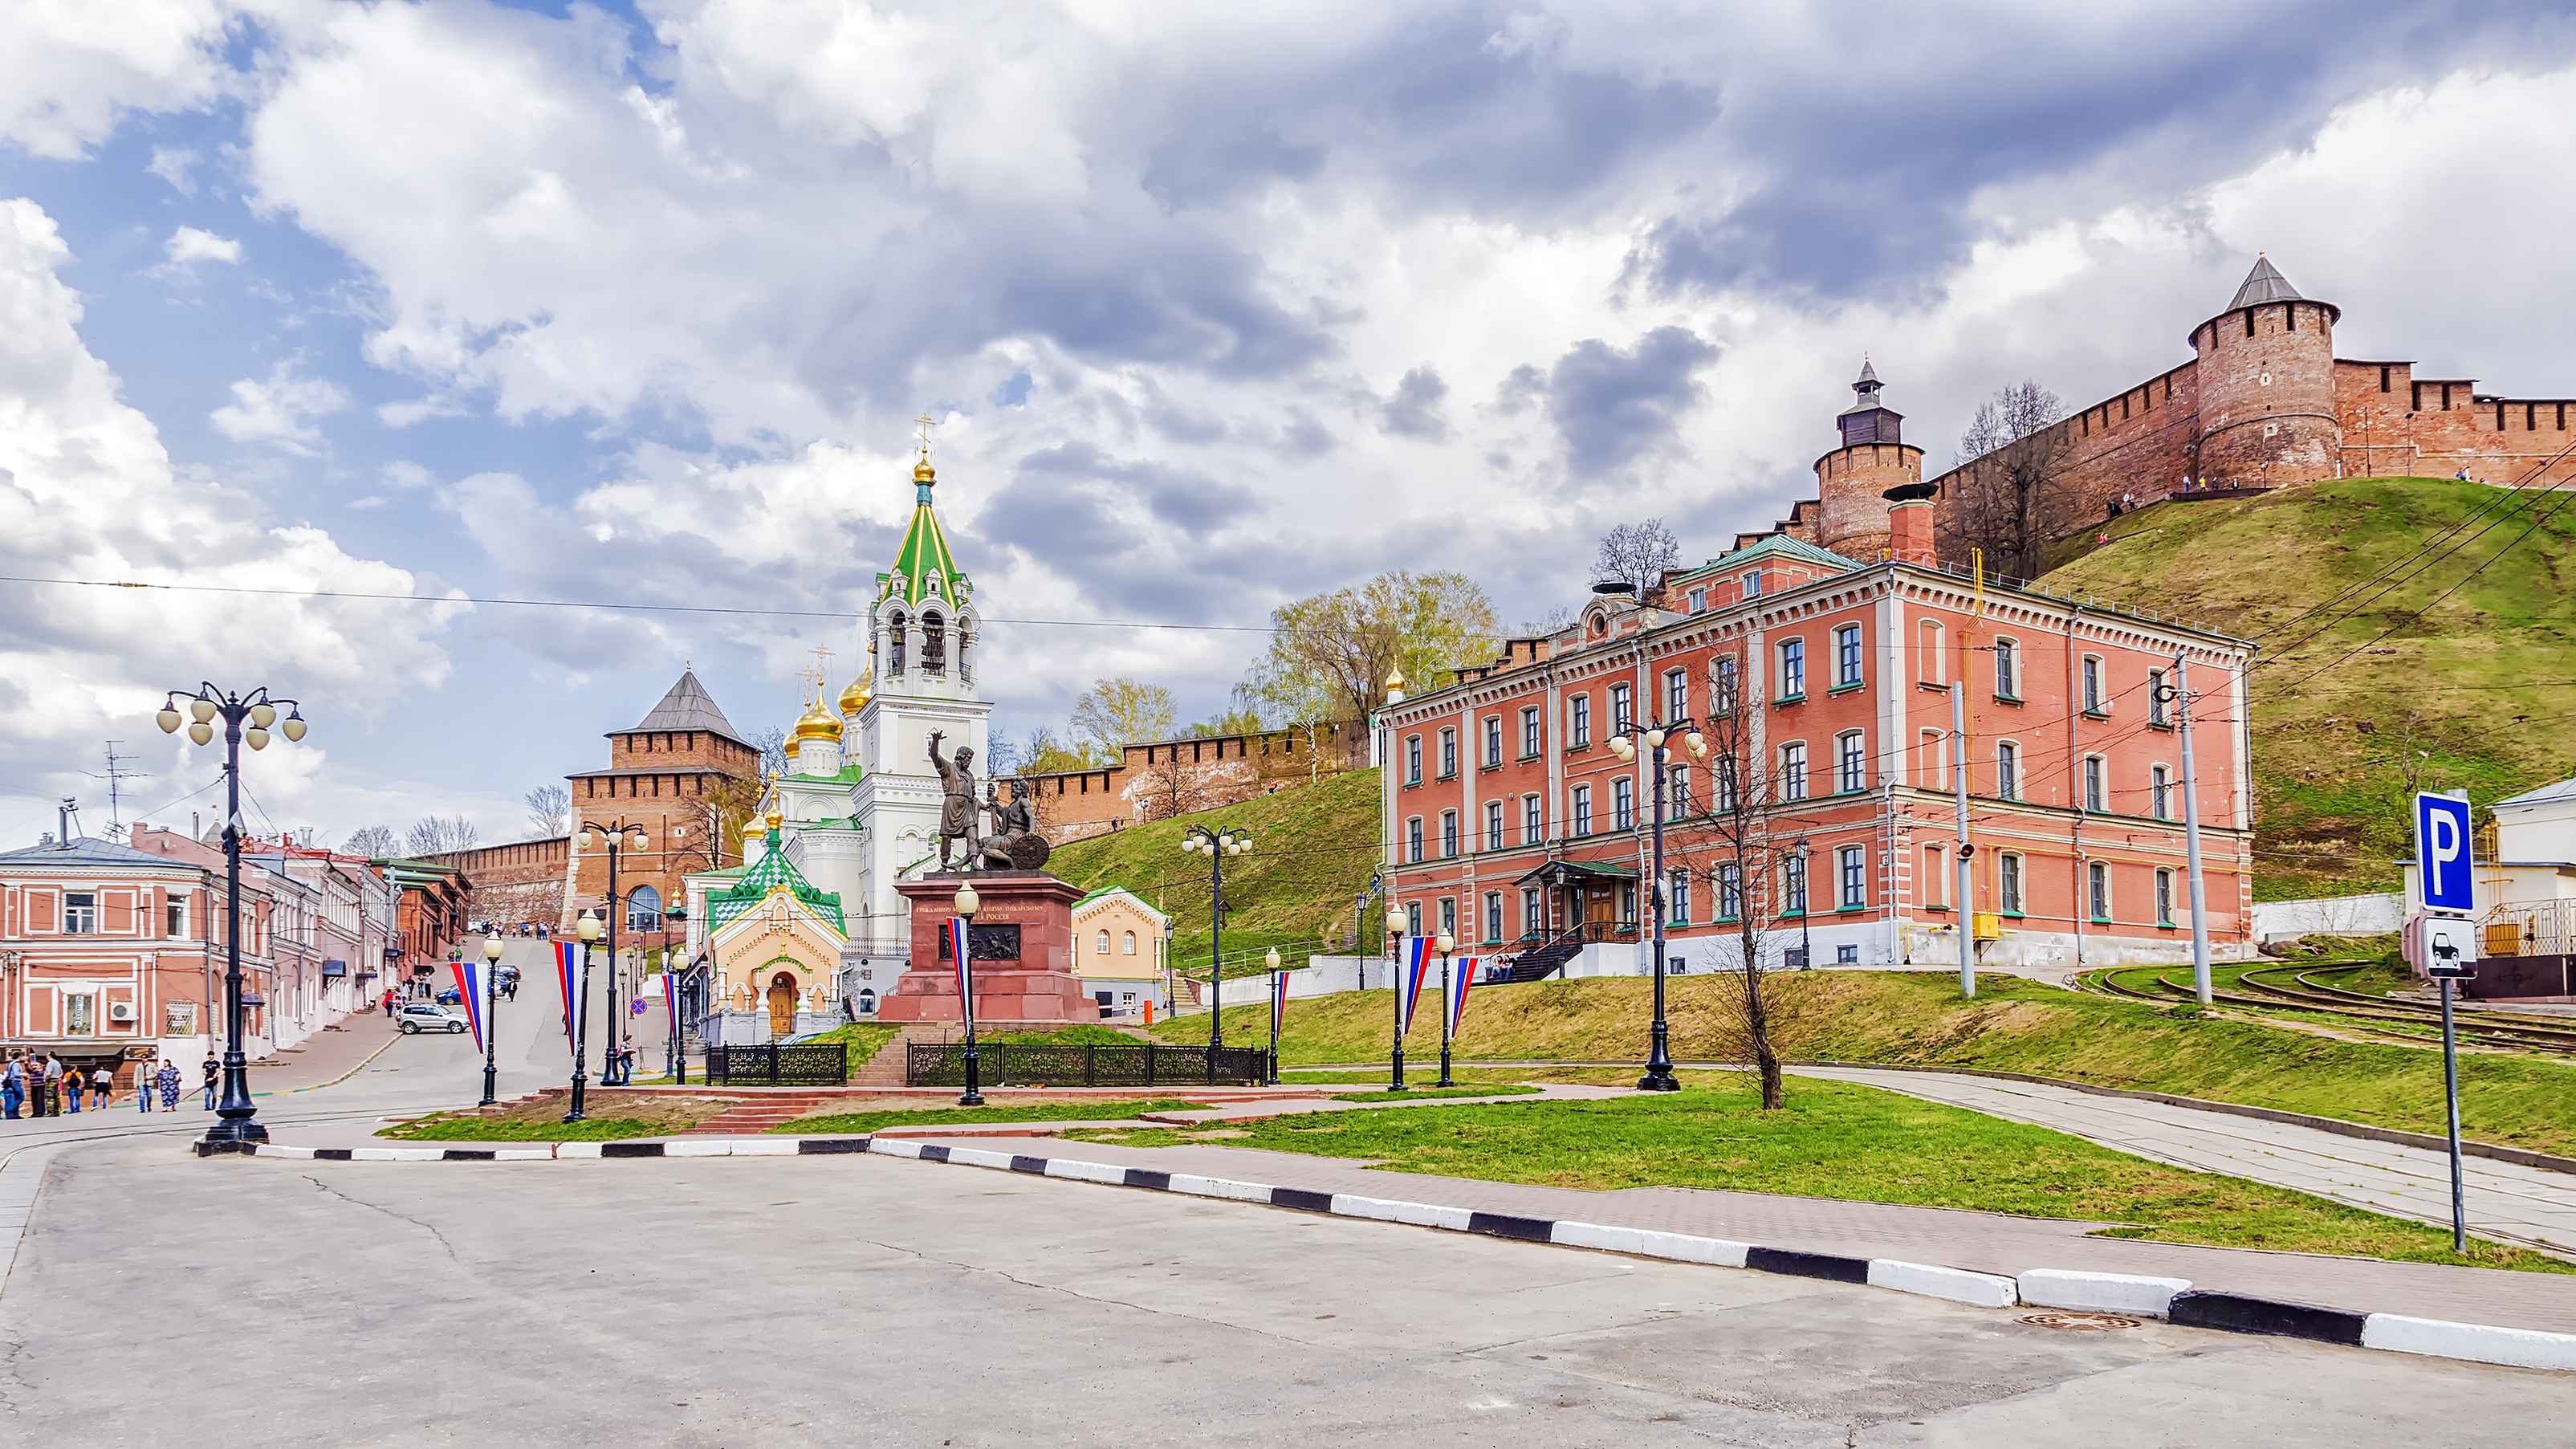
(2443, 871)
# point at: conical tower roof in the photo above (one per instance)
(686, 707)
(924, 569)
(2264, 284)
(772, 872)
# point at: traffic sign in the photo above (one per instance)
(2445, 880)
(2449, 948)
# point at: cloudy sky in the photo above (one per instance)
(1218, 305)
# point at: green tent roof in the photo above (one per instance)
(924, 569)
(773, 871)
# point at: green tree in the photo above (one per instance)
(1330, 654)
(1047, 755)
(1114, 712)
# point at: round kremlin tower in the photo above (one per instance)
(1852, 480)
(2266, 387)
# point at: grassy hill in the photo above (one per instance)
(2470, 687)
(1314, 849)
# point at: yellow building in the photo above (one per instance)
(775, 946)
(1118, 951)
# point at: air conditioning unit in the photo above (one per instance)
(120, 1011)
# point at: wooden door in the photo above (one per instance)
(782, 1005)
(1600, 913)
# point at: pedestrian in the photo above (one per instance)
(389, 1003)
(168, 1080)
(214, 1074)
(142, 1086)
(71, 1081)
(13, 1086)
(102, 1085)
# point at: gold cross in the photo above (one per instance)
(926, 423)
(820, 675)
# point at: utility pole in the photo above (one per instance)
(1967, 901)
(2191, 832)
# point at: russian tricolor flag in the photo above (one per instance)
(568, 977)
(957, 942)
(465, 973)
(1462, 974)
(1414, 970)
(1278, 1002)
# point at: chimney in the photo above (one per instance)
(1909, 522)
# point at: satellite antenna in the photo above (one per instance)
(115, 775)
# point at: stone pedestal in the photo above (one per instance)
(1036, 984)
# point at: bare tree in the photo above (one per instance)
(2013, 447)
(1733, 839)
(772, 744)
(1046, 755)
(549, 811)
(1169, 787)
(1637, 553)
(439, 834)
(375, 842)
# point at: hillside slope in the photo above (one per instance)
(2460, 675)
(1313, 851)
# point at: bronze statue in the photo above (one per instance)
(1015, 843)
(957, 802)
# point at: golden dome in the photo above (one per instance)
(921, 472)
(855, 698)
(817, 724)
(774, 817)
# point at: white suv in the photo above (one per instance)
(421, 1016)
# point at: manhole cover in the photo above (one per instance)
(2085, 1322)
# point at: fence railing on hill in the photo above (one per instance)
(1091, 1064)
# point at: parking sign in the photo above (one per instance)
(2444, 875)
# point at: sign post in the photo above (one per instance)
(2447, 949)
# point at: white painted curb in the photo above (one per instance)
(2100, 1292)
(2514, 1347)
(1221, 1187)
(577, 1149)
(1644, 1243)
(1981, 1290)
(893, 1147)
(1420, 1215)
(1100, 1172)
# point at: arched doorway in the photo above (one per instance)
(782, 1004)
(643, 909)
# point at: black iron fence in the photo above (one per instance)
(778, 1066)
(1146, 1064)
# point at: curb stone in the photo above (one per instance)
(2173, 1299)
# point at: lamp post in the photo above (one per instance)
(615, 834)
(1216, 847)
(677, 1068)
(1445, 943)
(1271, 962)
(588, 929)
(491, 975)
(1395, 924)
(1806, 883)
(246, 718)
(1659, 1061)
(966, 902)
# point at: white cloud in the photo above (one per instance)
(188, 244)
(280, 409)
(86, 492)
(71, 67)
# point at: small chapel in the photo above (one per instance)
(856, 810)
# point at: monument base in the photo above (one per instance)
(1023, 950)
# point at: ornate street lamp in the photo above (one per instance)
(615, 834)
(966, 902)
(1395, 924)
(1659, 1061)
(1445, 943)
(246, 718)
(587, 928)
(491, 976)
(678, 1059)
(1216, 848)
(1270, 963)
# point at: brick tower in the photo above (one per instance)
(2266, 380)
(1852, 480)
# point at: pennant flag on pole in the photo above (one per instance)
(1416, 968)
(465, 973)
(671, 1001)
(1278, 1002)
(568, 977)
(965, 973)
(1460, 978)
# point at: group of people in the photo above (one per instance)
(46, 1086)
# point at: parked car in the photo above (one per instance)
(450, 996)
(420, 1016)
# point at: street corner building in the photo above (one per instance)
(1829, 807)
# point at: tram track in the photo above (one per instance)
(2379, 1017)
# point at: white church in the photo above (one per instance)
(859, 803)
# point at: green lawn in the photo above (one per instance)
(1835, 1140)
(844, 1123)
(1917, 1018)
(1417, 1094)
